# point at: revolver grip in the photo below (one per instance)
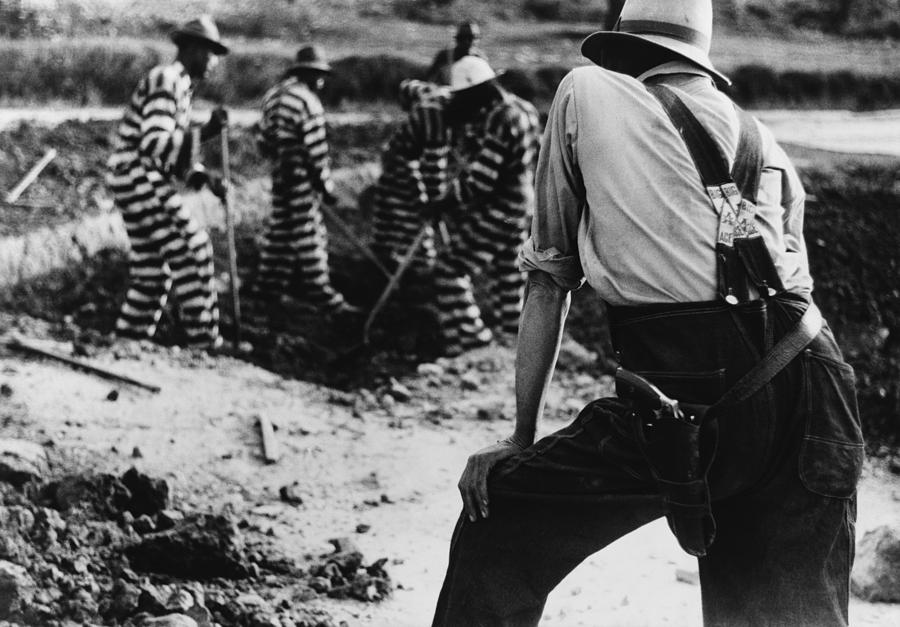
(632, 386)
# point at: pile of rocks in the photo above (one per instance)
(101, 549)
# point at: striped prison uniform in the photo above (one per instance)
(292, 133)
(170, 251)
(495, 191)
(413, 173)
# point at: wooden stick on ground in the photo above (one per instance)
(28, 205)
(19, 345)
(29, 178)
(271, 452)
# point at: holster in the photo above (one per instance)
(680, 453)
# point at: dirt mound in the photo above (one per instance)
(102, 548)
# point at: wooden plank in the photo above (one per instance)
(19, 345)
(270, 449)
(29, 178)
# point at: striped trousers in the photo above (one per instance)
(487, 243)
(170, 253)
(295, 240)
(396, 219)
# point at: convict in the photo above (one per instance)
(292, 134)
(414, 168)
(468, 34)
(496, 138)
(170, 251)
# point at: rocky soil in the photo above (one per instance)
(154, 505)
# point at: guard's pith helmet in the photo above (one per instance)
(680, 26)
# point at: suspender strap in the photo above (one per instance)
(774, 361)
(749, 161)
(741, 254)
(708, 158)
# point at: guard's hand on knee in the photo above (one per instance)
(473, 486)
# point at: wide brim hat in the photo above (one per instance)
(311, 58)
(470, 71)
(202, 30)
(680, 26)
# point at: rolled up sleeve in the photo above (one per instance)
(559, 197)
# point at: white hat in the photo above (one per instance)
(470, 71)
(682, 26)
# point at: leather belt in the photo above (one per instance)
(775, 360)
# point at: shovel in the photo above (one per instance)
(229, 235)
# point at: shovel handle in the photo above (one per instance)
(229, 234)
(405, 263)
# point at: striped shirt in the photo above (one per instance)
(154, 125)
(499, 167)
(292, 131)
(423, 139)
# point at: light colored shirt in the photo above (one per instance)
(620, 204)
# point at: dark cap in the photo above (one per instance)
(468, 30)
(311, 58)
(202, 30)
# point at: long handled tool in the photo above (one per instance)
(19, 345)
(229, 235)
(350, 235)
(394, 281)
(29, 178)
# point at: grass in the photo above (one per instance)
(101, 71)
(296, 18)
(94, 51)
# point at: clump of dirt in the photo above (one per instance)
(101, 548)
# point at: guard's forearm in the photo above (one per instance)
(540, 333)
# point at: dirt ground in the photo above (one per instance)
(376, 467)
(357, 459)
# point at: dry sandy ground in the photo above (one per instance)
(200, 434)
